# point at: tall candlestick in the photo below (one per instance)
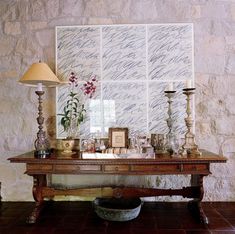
(189, 148)
(169, 94)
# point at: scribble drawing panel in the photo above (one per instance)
(124, 53)
(170, 52)
(158, 108)
(130, 105)
(78, 50)
(179, 109)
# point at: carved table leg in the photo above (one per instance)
(39, 181)
(195, 205)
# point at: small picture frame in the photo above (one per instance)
(118, 137)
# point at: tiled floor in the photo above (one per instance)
(79, 217)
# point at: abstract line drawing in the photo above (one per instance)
(133, 65)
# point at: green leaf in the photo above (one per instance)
(76, 99)
(75, 105)
(72, 94)
(65, 122)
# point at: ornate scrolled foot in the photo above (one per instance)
(35, 213)
(196, 209)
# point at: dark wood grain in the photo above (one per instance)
(197, 167)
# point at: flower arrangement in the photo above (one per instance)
(74, 111)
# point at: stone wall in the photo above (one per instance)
(27, 32)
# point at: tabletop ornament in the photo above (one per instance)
(189, 146)
(158, 141)
(170, 136)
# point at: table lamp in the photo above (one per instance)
(39, 75)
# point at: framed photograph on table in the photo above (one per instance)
(118, 137)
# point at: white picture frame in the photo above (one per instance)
(134, 102)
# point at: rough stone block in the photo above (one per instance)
(215, 186)
(214, 10)
(206, 48)
(10, 62)
(196, 11)
(6, 46)
(28, 46)
(74, 7)
(10, 12)
(226, 125)
(228, 147)
(3, 7)
(37, 10)
(211, 143)
(229, 105)
(211, 45)
(95, 21)
(52, 8)
(65, 21)
(230, 40)
(121, 8)
(230, 64)
(224, 170)
(9, 170)
(205, 128)
(204, 64)
(35, 25)
(232, 9)
(45, 37)
(218, 85)
(211, 26)
(146, 9)
(96, 8)
(8, 74)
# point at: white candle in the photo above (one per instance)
(39, 87)
(170, 87)
(188, 84)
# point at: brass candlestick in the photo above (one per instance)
(41, 144)
(169, 120)
(189, 147)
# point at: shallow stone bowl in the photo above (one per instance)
(117, 209)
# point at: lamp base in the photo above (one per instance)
(42, 153)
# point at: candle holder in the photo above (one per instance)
(41, 144)
(169, 120)
(189, 147)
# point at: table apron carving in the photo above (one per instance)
(140, 169)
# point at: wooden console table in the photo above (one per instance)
(77, 163)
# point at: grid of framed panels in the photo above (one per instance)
(133, 65)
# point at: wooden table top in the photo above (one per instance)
(98, 158)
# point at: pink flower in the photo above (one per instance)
(73, 80)
(89, 87)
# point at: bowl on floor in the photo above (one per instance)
(117, 209)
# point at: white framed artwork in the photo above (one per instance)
(133, 64)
